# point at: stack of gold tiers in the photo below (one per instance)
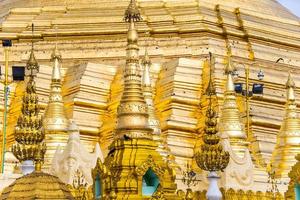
(181, 33)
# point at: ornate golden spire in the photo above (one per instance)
(211, 156)
(55, 119)
(230, 122)
(29, 133)
(132, 111)
(288, 138)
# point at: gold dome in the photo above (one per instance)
(37, 185)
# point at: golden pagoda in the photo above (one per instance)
(153, 120)
(55, 121)
(133, 169)
(230, 125)
(288, 138)
(29, 135)
(182, 33)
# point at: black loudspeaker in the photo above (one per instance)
(238, 87)
(18, 73)
(258, 88)
(6, 43)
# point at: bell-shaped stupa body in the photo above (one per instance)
(288, 138)
(74, 158)
(239, 172)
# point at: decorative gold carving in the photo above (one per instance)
(29, 134)
(149, 163)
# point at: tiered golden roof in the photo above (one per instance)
(133, 152)
(211, 156)
(29, 135)
(288, 138)
(230, 125)
(37, 185)
(55, 119)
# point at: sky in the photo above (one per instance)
(292, 5)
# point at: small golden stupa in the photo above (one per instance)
(29, 135)
(288, 140)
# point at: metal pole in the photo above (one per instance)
(247, 101)
(6, 51)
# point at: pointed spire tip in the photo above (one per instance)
(290, 82)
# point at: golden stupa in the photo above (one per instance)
(135, 167)
(29, 135)
(178, 36)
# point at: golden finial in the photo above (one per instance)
(229, 71)
(29, 133)
(210, 90)
(55, 119)
(132, 13)
(32, 65)
(290, 86)
(132, 111)
(288, 138)
(211, 156)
